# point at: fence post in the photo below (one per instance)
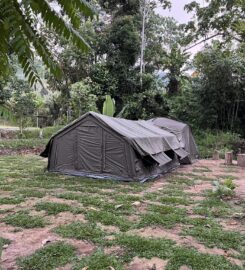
(241, 160)
(228, 158)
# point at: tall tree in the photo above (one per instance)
(147, 9)
(219, 87)
(20, 31)
(165, 43)
(218, 18)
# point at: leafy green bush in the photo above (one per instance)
(208, 141)
(228, 182)
(238, 145)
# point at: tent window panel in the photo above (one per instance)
(89, 148)
(114, 159)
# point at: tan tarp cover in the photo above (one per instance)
(183, 134)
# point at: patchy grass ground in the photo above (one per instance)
(51, 221)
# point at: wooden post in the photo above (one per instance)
(216, 155)
(228, 158)
(241, 160)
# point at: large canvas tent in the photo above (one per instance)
(183, 133)
(99, 146)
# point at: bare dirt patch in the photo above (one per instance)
(198, 189)
(115, 250)
(157, 185)
(233, 225)
(83, 248)
(158, 232)
(7, 206)
(60, 200)
(146, 264)
(133, 218)
(64, 218)
(108, 228)
(66, 267)
(24, 243)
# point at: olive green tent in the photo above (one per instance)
(100, 146)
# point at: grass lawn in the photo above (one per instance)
(57, 221)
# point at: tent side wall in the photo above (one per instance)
(62, 156)
(193, 149)
(90, 147)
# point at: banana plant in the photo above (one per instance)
(109, 106)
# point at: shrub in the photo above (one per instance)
(208, 141)
(228, 182)
(224, 190)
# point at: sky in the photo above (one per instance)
(179, 14)
(177, 11)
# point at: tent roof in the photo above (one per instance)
(145, 138)
(168, 123)
(173, 126)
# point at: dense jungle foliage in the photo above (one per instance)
(205, 90)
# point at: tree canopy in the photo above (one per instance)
(218, 18)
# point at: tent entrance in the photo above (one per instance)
(89, 149)
(100, 151)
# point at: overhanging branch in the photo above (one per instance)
(203, 40)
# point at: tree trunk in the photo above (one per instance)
(21, 126)
(241, 160)
(228, 158)
(142, 49)
(216, 155)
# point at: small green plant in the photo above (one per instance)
(228, 182)
(223, 190)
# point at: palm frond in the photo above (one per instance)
(20, 35)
